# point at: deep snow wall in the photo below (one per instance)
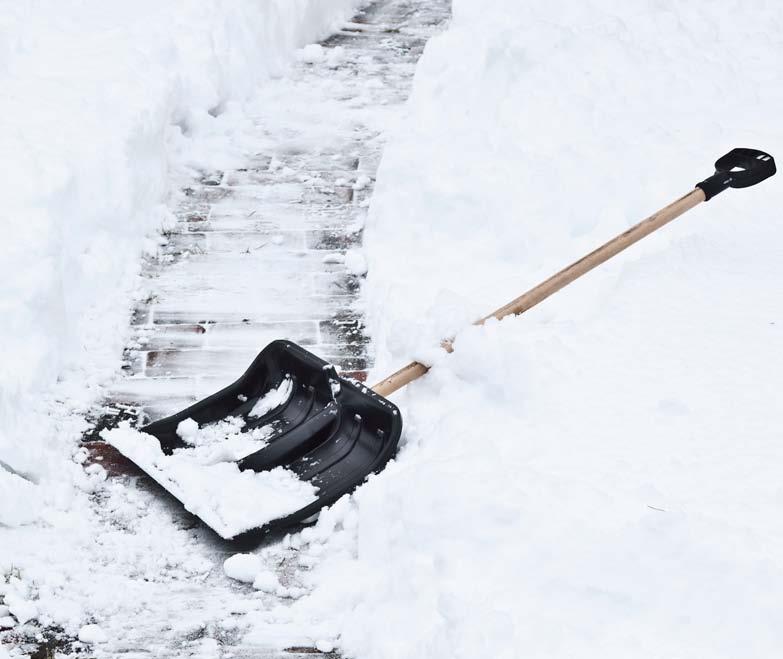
(95, 96)
(601, 476)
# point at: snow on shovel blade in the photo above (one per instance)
(322, 436)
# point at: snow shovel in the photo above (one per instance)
(332, 432)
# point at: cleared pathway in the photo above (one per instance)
(259, 251)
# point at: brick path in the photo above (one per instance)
(257, 253)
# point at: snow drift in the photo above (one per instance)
(99, 101)
(601, 476)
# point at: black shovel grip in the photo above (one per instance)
(739, 168)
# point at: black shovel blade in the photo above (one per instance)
(331, 432)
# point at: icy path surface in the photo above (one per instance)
(264, 250)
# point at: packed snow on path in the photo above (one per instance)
(210, 484)
(601, 476)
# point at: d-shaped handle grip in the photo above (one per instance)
(739, 168)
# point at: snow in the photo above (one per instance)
(92, 634)
(597, 478)
(311, 53)
(109, 108)
(250, 568)
(324, 646)
(355, 262)
(315, 53)
(273, 398)
(601, 476)
(266, 581)
(107, 102)
(242, 567)
(222, 440)
(19, 497)
(188, 431)
(21, 608)
(230, 501)
(335, 57)
(361, 182)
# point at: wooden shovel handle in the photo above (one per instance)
(739, 168)
(598, 256)
(557, 281)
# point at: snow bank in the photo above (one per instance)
(600, 477)
(99, 102)
(108, 107)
